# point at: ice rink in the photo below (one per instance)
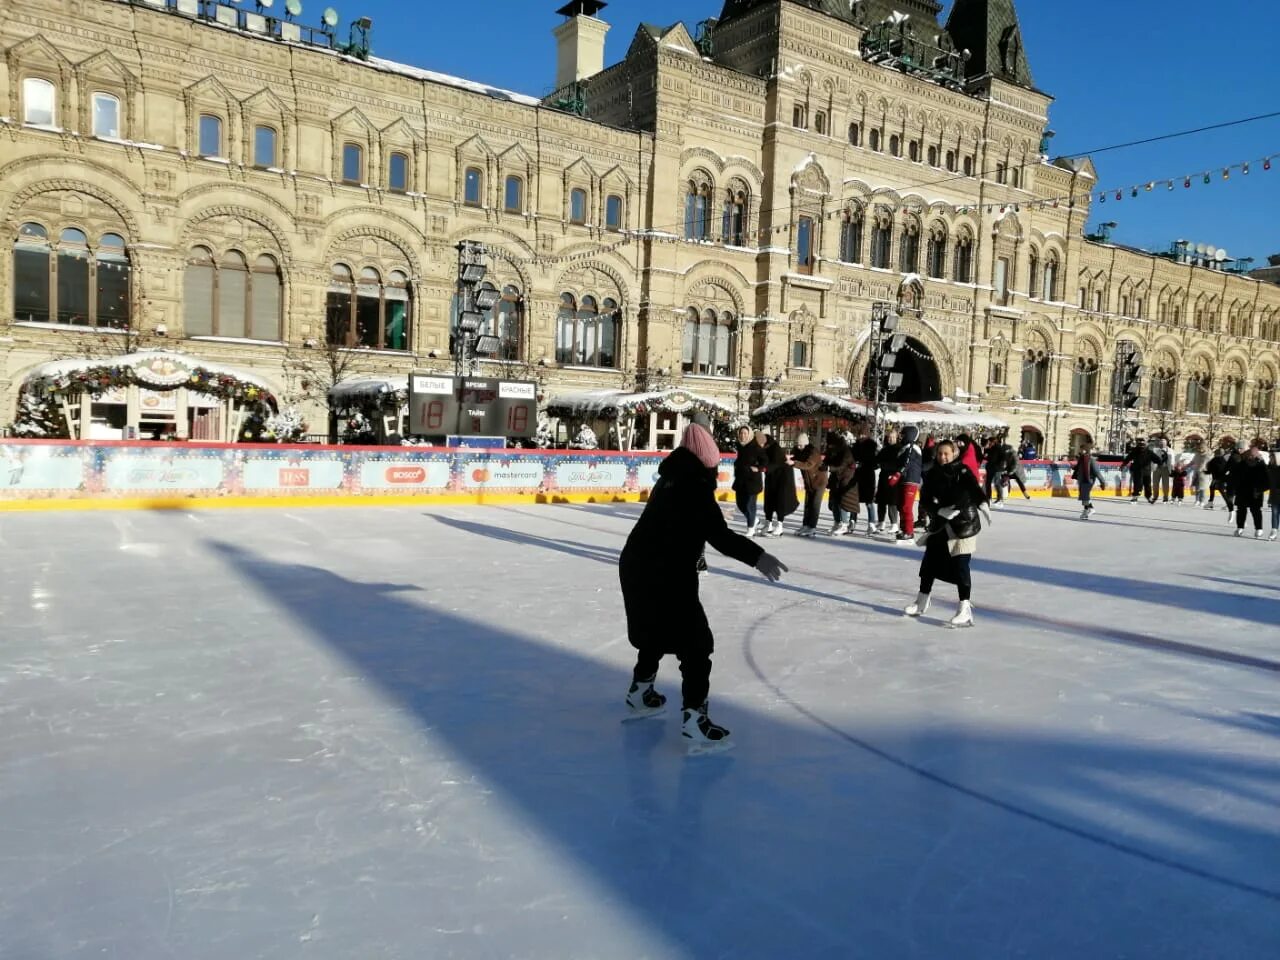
(377, 733)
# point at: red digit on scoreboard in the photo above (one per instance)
(517, 419)
(435, 414)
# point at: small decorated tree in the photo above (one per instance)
(544, 438)
(39, 417)
(585, 439)
(287, 426)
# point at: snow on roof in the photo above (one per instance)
(369, 388)
(180, 361)
(933, 413)
(606, 404)
(431, 76)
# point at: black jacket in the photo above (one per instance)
(1086, 468)
(1273, 478)
(745, 480)
(865, 452)
(910, 463)
(779, 482)
(1250, 480)
(679, 520)
(953, 485)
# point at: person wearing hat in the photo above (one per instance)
(780, 500)
(680, 519)
(812, 465)
(748, 477)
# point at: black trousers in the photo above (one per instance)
(963, 577)
(679, 628)
(812, 507)
(1140, 482)
(1253, 509)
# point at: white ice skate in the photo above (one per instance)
(1273, 535)
(644, 701)
(701, 734)
(839, 529)
(807, 532)
(918, 608)
(1257, 534)
(964, 616)
(1240, 531)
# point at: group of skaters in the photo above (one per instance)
(1247, 477)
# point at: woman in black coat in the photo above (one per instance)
(865, 451)
(748, 477)
(956, 505)
(660, 583)
(1250, 482)
(780, 500)
(886, 496)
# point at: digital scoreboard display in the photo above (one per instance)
(472, 407)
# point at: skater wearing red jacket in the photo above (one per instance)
(659, 559)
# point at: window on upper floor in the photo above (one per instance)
(799, 116)
(800, 354)
(709, 343)
(473, 187)
(895, 145)
(577, 205)
(951, 160)
(804, 244)
(820, 122)
(913, 151)
(513, 195)
(613, 212)
(74, 281)
(873, 140)
(1002, 172)
(968, 166)
(855, 135)
(106, 115)
(963, 272)
(933, 156)
(225, 297)
(265, 146)
(368, 312)
(851, 236)
(398, 173)
(39, 100)
(210, 136)
(352, 163)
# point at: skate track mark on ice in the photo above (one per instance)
(1118, 846)
(1128, 638)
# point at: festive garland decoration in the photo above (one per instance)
(97, 380)
(638, 404)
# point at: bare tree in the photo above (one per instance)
(314, 368)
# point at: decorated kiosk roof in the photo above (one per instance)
(614, 404)
(152, 369)
(933, 417)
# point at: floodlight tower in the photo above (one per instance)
(474, 302)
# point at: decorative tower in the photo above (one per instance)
(580, 42)
(989, 30)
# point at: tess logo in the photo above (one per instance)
(406, 474)
(295, 477)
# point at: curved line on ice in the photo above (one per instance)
(986, 798)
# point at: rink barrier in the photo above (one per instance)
(124, 474)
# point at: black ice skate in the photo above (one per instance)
(644, 701)
(702, 734)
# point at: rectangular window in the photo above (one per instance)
(73, 286)
(799, 354)
(210, 135)
(689, 346)
(398, 173)
(266, 308)
(352, 163)
(578, 206)
(820, 122)
(38, 102)
(113, 292)
(233, 292)
(798, 119)
(613, 213)
(31, 283)
(804, 243)
(1002, 280)
(513, 196)
(472, 187)
(106, 115)
(1097, 301)
(264, 147)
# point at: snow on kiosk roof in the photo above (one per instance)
(615, 404)
(156, 369)
(931, 417)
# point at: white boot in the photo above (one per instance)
(964, 616)
(645, 701)
(776, 529)
(1273, 534)
(839, 529)
(920, 606)
(701, 733)
(1239, 531)
(1257, 534)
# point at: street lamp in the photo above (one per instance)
(885, 344)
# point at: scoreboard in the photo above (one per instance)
(472, 406)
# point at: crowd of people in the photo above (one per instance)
(1247, 477)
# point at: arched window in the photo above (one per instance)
(73, 266)
(232, 295)
(587, 331)
(1050, 289)
(32, 274)
(578, 206)
(1033, 274)
(820, 122)
(697, 207)
(951, 160)
(805, 243)
(735, 215)
(1084, 381)
(895, 145)
(999, 364)
(909, 254)
(1264, 395)
(473, 187)
(936, 255)
(39, 102)
(964, 258)
(913, 151)
(873, 139)
(106, 115)
(352, 163)
(210, 135)
(1199, 385)
(851, 235)
(933, 156)
(1015, 177)
(709, 343)
(199, 280)
(855, 134)
(224, 297)
(398, 173)
(266, 288)
(1163, 377)
(613, 212)
(265, 152)
(368, 312)
(881, 241)
(513, 195)
(1232, 393)
(506, 325)
(1002, 172)
(968, 166)
(1035, 375)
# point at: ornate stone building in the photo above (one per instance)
(718, 210)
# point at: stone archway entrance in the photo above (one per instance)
(921, 379)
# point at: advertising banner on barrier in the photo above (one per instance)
(404, 475)
(43, 468)
(291, 473)
(162, 471)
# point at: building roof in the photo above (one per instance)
(989, 29)
(862, 12)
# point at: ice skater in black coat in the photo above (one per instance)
(660, 583)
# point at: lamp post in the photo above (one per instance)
(473, 304)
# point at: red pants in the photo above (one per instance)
(907, 509)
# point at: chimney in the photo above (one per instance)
(579, 42)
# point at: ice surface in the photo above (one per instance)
(394, 733)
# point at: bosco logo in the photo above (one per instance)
(406, 474)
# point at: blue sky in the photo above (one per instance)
(1119, 71)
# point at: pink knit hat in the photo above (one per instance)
(698, 441)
